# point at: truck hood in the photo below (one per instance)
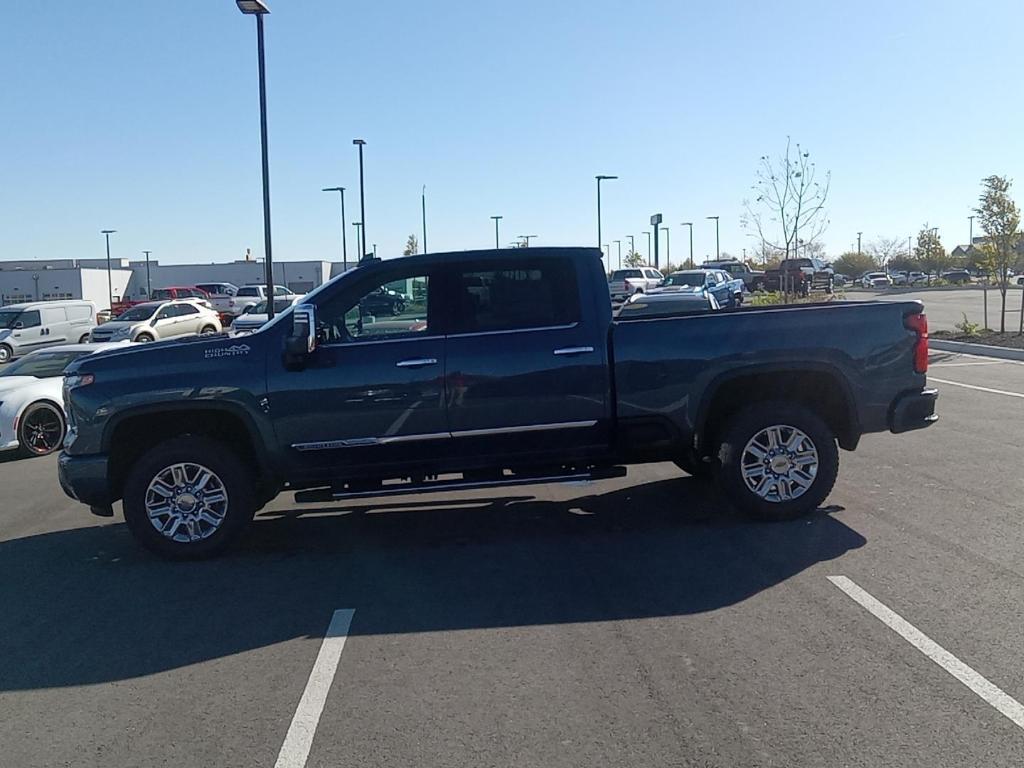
(167, 351)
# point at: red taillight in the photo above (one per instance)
(919, 324)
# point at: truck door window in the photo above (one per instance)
(520, 294)
(393, 306)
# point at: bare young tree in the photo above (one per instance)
(788, 210)
(412, 245)
(1000, 220)
(886, 250)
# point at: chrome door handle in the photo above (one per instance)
(573, 350)
(418, 362)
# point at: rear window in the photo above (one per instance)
(518, 295)
(162, 294)
(623, 274)
(248, 291)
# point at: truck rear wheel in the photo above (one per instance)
(188, 497)
(777, 461)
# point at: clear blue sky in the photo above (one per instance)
(143, 117)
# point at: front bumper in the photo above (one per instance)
(913, 410)
(85, 478)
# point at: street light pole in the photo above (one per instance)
(362, 200)
(149, 285)
(858, 242)
(423, 203)
(526, 239)
(344, 238)
(259, 9)
(619, 244)
(632, 245)
(690, 225)
(668, 248)
(600, 178)
(496, 220)
(648, 246)
(359, 237)
(110, 281)
(718, 252)
(970, 236)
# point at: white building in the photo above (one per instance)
(43, 282)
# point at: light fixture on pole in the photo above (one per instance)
(690, 225)
(110, 281)
(362, 200)
(600, 178)
(526, 239)
(259, 9)
(496, 220)
(718, 252)
(344, 238)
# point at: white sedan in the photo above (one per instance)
(32, 417)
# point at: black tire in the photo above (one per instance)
(41, 429)
(398, 308)
(84, 339)
(207, 330)
(237, 481)
(831, 287)
(144, 338)
(742, 428)
(6, 354)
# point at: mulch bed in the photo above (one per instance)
(996, 339)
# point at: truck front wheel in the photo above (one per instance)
(777, 461)
(188, 497)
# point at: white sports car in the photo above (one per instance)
(32, 417)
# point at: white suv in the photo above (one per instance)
(154, 320)
(249, 295)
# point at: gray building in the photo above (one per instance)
(300, 276)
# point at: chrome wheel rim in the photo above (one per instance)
(42, 431)
(779, 463)
(186, 502)
(5, 354)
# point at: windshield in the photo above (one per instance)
(42, 365)
(693, 279)
(8, 317)
(137, 313)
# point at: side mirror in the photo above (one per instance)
(301, 342)
(18, 325)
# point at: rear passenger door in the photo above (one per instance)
(527, 371)
(54, 321)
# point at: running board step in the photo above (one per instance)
(316, 495)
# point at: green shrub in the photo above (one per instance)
(966, 327)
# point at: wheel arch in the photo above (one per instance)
(820, 387)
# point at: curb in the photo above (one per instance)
(964, 347)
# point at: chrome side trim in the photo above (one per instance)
(513, 330)
(363, 442)
(524, 428)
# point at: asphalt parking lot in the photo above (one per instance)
(627, 622)
(947, 306)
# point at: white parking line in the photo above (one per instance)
(995, 696)
(299, 739)
(974, 386)
(963, 365)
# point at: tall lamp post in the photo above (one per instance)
(718, 252)
(110, 281)
(690, 225)
(970, 232)
(600, 178)
(359, 236)
(858, 242)
(362, 200)
(619, 244)
(496, 220)
(259, 9)
(648, 246)
(668, 248)
(344, 237)
(149, 285)
(423, 205)
(632, 244)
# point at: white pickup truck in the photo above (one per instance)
(250, 295)
(626, 282)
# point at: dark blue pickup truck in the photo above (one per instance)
(501, 367)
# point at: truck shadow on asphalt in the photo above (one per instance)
(88, 606)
